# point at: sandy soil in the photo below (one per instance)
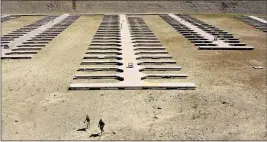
(223, 76)
(228, 104)
(17, 23)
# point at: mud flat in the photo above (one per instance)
(229, 102)
(221, 76)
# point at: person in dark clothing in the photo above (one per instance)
(87, 120)
(101, 125)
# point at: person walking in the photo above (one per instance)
(101, 125)
(87, 120)
(215, 38)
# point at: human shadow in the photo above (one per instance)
(82, 129)
(95, 135)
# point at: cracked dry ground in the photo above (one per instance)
(228, 104)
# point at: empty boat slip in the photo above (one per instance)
(25, 42)
(256, 22)
(203, 35)
(124, 56)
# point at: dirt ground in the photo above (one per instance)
(229, 102)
